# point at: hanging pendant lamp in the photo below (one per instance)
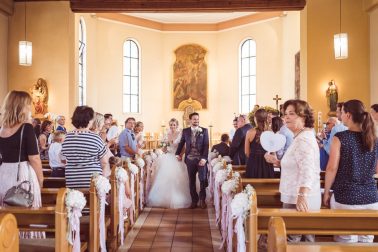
(25, 49)
(340, 41)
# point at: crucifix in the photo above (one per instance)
(277, 99)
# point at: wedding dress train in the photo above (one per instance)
(170, 186)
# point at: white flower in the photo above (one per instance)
(148, 158)
(102, 184)
(158, 152)
(140, 162)
(217, 166)
(240, 205)
(221, 176)
(132, 167)
(121, 175)
(75, 199)
(199, 129)
(153, 155)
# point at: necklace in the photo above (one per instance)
(299, 132)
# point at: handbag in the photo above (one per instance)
(16, 195)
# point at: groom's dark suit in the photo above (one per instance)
(197, 148)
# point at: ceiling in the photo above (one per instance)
(193, 18)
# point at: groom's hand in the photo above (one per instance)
(179, 158)
(202, 162)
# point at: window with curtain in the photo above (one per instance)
(131, 77)
(82, 62)
(247, 76)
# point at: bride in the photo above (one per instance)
(170, 187)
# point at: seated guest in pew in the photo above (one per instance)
(352, 165)
(57, 161)
(257, 167)
(43, 143)
(300, 166)
(83, 149)
(222, 148)
(61, 120)
(19, 158)
(238, 141)
(139, 136)
(36, 122)
(127, 142)
(374, 114)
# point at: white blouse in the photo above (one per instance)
(300, 167)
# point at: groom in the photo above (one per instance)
(196, 140)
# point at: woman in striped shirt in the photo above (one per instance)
(84, 150)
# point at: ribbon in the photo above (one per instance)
(230, 230)
(102, 222)
(121, 225)
(224, 221)
(132, 208)
(211, 178)
(239, 230)
(148, 179)
(216, 202)
(141, 188)
(73, 234)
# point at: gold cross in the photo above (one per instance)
(277, 99)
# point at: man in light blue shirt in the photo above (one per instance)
(127, 141)
(338, 128)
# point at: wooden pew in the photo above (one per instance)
(277, 242)
(49, 219)
(54, 182)
(266, 184)
(322, 222)
(9, 241)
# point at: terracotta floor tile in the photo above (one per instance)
(182, 244)
(160, 249)
(182, 239)
(161, 244)
(202, 249)
(181, 249)
(184, 233)
(141, 249)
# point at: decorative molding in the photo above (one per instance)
(6, 6)
(190, 27)
(185, 6)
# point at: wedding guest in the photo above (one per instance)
(222, 148)
(84, 150)
(36, 123)
(338, 128)
(300, 165)
(15, 115)
(374, 114)
(235, 127)
(324, 135)
(61, 120)
(57, 161)
(351, 166)
(237, 145)
(257, 167)
(43, 144)
(138, 130)
(127, 141)
(289, 136)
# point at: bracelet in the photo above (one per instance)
(301, 194)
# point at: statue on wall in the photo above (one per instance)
(40, 95)
(332, 98)
(190, 75)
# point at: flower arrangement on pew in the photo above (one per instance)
(134, 170)
(220, 176)
(140, 163)
(229, 187)
(75, 202)
(240, 206)
(103, 187)
(123, 202)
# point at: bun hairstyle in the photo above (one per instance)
(357, 110)
(303, 110)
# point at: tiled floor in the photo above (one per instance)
(174, 230)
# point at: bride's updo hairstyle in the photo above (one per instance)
(175, 121)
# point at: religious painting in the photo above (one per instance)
(40, 95)
(297, 76)
(190, 75)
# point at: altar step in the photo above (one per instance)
(174, 230)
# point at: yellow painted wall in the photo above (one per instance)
(374, 55)
(352, 75)
(3, 56)
(48, 28)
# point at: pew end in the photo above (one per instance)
(8, 233)
(277, 240)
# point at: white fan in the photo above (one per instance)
(272, 142)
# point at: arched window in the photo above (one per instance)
(247, 76)
(131, 76)
(82, 62)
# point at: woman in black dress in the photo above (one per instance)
(257, 167)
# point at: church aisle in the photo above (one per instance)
(174, 230)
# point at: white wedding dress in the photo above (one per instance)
(170, 186)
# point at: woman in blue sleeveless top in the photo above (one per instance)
(352, 165)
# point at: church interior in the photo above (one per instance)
(81, 54)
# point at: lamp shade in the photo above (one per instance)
(25, 53)
(341, 45)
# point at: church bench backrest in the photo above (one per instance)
(277, 240)
(9, 241)
(271, 183)
(54, 182)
